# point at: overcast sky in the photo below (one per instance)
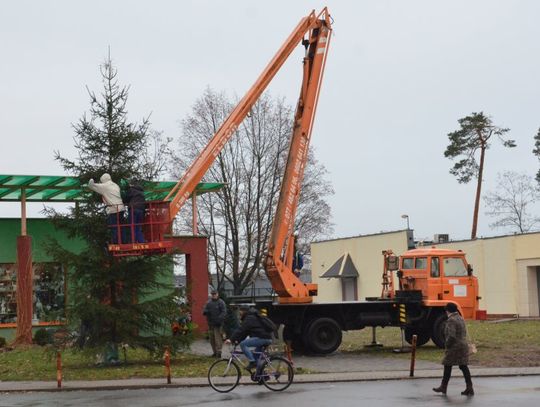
(399, 75)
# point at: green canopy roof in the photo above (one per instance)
(47, 188)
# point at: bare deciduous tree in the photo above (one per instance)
(510, 203)
(238, 220)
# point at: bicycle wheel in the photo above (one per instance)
(277, 374)
(224, 375)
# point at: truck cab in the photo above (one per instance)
(442, 276)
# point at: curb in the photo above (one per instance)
(134, 384)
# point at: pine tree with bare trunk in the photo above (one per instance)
(474, 136)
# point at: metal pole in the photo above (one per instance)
(58, 370)
(168, 365)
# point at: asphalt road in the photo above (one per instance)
(506, 391)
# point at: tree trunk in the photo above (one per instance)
(478, 192)
(25, 290)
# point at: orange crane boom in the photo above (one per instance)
(278, 266)
(161, 214)
(194, 174)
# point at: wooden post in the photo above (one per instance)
(413, 354)
(168, 365)
(194, 214)
(24, 293)
(58, 370)
(23, 212)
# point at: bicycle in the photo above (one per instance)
(274, 372)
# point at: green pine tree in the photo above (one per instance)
(112, 301)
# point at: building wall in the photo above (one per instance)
(366, 254)
(40, 230)
(507, 267)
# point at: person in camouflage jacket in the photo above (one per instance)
(456, 350)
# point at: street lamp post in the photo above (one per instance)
(406, 217)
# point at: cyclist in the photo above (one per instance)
(251, 334)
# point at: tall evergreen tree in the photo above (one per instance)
(473, 136)
(112, 300)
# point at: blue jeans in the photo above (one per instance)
(114, 222)
(135, 220)
(254, 342)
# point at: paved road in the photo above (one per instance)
(509, 391)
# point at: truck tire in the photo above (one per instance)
(437, 335)
(423, 335)
(323, 335)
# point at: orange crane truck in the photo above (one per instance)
(428, 278)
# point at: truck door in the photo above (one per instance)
(435, 287)
(457, 285)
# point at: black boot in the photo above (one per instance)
(442, 388)
(469, 391)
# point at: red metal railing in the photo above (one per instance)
(155, 228)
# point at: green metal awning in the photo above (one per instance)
(50, 188)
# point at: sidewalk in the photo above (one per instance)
(301, 378)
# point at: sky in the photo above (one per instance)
(398, 77)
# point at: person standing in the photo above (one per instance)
(215, 311)
(136, 206)
(112, 198)
(456, 350)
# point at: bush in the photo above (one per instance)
(2, 341)
(43, 337)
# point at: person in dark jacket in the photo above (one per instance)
(456, 350)
(251, 334)
(215, 311)
(136, 203)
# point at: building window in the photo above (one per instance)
(48, 297)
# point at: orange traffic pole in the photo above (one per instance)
(58, 370)
(413, 354)
(288, 353)
(168, 365)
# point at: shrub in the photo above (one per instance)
(2, 341)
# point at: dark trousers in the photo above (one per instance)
(135, 220)
(448, 372)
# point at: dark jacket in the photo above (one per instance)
(135, 197)
(251, 326)
(456, 347)
(215, 311)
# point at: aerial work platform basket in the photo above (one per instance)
(156, 229)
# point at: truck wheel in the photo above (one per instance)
(323, 335)
(422, 334)
(437, 336)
